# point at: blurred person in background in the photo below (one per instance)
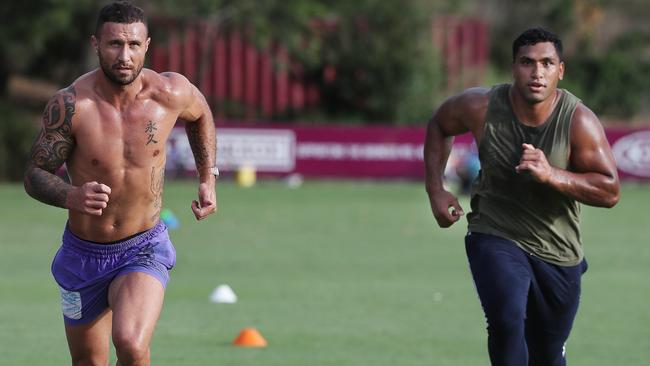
(542, 152)
(110, 127)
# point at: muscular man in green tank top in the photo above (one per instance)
(542, 153)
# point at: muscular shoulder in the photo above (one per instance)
(77, 99)
(583, 115)
(471, 103)
(60, 110)
(185, 97)
(585, 126)
(169, 88)
(464, 111)
(83, 90)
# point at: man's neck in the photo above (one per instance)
(532, 114)
(117, 94)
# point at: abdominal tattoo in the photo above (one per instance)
(157, 182)
(51, 149)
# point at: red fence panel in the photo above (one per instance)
(269, 83)
(266, 87)
(220, 71)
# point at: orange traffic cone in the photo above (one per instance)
(249, 337)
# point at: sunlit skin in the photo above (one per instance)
(128, 99)
(582, 170)
(121, 50)
(591, 178)
(121, 116)
(110, 128)
(536, 71)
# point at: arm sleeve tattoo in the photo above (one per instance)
(50, 150)
(199, 135)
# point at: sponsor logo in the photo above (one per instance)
(71, 303)
(360, 151)
(632, 154)
(267, 150)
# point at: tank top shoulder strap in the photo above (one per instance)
(498, 104)
(567, 106)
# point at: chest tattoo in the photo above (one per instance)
(151, 129)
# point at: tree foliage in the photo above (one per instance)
(16, 135)
(42, 38)
(613, 83)
(608, 76)
(377, 49)
(385, 68)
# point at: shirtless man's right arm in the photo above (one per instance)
(52, 147)
(459, 114)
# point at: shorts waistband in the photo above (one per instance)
(71, 240)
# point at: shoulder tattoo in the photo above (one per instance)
(55, 141)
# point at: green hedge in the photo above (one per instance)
(17, 131)
(613, 83)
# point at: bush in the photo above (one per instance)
(17, 131)
(613, 83)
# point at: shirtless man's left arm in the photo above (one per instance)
(199, 126)
(52, 147)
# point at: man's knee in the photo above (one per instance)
(506, 316)
(506, 328)
(547, 352)
(130, 348)
(88, 360)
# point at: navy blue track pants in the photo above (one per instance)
(529, 304)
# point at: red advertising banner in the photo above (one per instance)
(631, 148)
(362, 152)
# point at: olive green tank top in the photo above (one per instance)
(541, 220)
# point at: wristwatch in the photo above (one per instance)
(215, 171)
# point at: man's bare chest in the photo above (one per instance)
(130, 137)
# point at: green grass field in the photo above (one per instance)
(333, 273)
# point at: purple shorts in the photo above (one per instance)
(84, 270)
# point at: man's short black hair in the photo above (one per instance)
(534, 36)
(119, 12)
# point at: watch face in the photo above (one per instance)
(215, 171)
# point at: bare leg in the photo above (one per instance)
(136, 300)
(89, 343)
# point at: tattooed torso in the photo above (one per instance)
(120, 145)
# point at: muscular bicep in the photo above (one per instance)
(590, 150)
(446, 120)
(55, 140)
(462, 113)
(196, 107)
(185, 98)
(51, 149)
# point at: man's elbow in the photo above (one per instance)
(30, 179)
(27, 182)
(612, 200)
(613, 194)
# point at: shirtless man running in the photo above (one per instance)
(110, 128)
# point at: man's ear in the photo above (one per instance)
(95, 43)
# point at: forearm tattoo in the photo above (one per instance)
(52, 147)
(203, 153)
